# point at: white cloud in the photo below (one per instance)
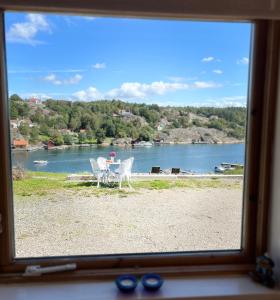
(208, 59)
(26, 32)
(141, 91)
(99, 66)
(243, 61)
(53, 79)
(130, 90)
(89, 94)
(218, 71)
(71, 80)
(42, 96)
(88, 18)
(74, 80)
(206, 84)
(227, 101)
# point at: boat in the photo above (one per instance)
(40, 162)
(143, 144)
(226, 166)
(219, 169)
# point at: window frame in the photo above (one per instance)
(259, 148)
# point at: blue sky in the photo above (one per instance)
(151, 61)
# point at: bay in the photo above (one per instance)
(199, 158)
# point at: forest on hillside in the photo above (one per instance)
(67, 122)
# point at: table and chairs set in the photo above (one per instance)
(104, 171)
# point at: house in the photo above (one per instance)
(34, 100)
(126, 114)
(20, 144)
(162, 124)
(50, 145)
(65, 131)
(13, 124)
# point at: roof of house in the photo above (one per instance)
(20, 142)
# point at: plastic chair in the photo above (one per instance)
(124, 171)
(97, 171)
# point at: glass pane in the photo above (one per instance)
(128, 135)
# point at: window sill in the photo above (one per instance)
(215, 287)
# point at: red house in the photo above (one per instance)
(50, 145)
(20, 144)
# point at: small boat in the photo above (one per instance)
(219, 169)
(40, 162)
(143, 144)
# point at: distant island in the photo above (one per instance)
(36, 123)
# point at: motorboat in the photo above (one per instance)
(40, 162)
(219, 169)
(143, 144)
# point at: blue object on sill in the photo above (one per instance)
(152, 282)
(126, 283)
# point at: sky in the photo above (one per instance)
(165, 62)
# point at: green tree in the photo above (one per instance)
(82, 137)
(13, 111)
(44, 129)
(57, 139)
(34, 135)
(15, 97)
(100, 135)
(24, 129)
(68, 139)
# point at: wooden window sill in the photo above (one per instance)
(214, 287)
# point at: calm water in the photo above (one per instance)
(197, 158)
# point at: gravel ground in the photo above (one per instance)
(64, 223)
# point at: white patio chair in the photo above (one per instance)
(124, 171)
(102, 163)
(97, 172)
(103, 166)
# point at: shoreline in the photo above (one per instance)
(62, 147)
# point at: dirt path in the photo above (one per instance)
(149, 221)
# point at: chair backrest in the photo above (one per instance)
(94, 165)
(102, 163)
(126, 166)
(175, 170)
(155, 170)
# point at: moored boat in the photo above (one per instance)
(143, 144)
(40, 162)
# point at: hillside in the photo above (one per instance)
(66, 122)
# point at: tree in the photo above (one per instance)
(82, 137)
(34, 135)
(100, 135)
(44, 129)
(15, 97)
(24, 129)
(13, 111)
(57, 139)
(68, 139)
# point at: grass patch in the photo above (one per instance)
(186, 183)
(44, 183)
(236, 171)
(39, 183)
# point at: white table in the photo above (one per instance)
(110, 163)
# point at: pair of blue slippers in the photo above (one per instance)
(128, 283)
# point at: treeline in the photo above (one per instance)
(93, 122)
